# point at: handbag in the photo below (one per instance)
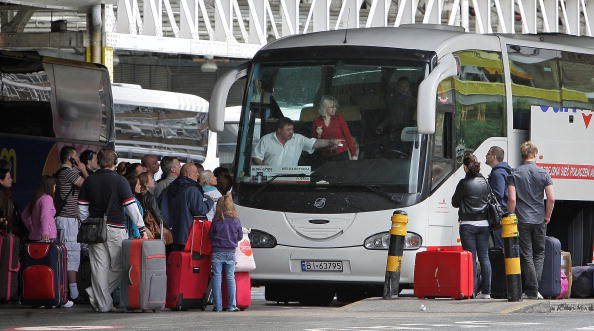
(153, 229)
(244, 256)
(93, 230)
(494, 211)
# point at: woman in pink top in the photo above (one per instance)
(39, 215)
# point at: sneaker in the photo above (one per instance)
(526, 296)
(233, 309)
(483, 296)
(216, 310)
(539, 296)
(68, 304)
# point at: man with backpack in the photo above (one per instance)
(69, 179)
(499, 172)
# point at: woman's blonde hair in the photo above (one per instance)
(225, 206)
(325, 102)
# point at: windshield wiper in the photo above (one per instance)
(391, 197)
(265, 185)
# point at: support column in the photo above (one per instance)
(573, 17)
(224, 20)
(97, 53)
(290, 17)
(378, 14)
(406, 12)
(258, 22)
(550, 16)
(321, 15)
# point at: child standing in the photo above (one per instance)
(225, 233)
(39, 215)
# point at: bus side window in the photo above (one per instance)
(535, 81)
(442, 160)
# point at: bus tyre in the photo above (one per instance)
(317, 295)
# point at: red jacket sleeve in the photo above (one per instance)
(316, 122)
(346, 133)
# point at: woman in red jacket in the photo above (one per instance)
(332, 126)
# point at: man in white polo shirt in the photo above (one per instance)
(283, 147)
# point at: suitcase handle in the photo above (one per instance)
(130, 275)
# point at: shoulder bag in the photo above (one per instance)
(93, 230)
(494, 210)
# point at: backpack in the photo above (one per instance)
(59, 202)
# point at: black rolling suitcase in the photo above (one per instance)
(550, 284)
(498, 279)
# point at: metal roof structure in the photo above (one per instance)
(238, 28)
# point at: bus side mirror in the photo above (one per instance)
(218, 98)
(447, 67)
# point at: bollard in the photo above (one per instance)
(397, 235)
(511, 250)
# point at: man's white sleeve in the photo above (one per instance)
(260, 149)
(308, 144)
(133, 212)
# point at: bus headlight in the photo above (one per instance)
(382, 241)
(261, 239)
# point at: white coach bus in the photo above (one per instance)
(159, 122)
(416, 99)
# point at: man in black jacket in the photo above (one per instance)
(499, 172)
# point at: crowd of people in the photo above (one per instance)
(520, 191)
(134, 204)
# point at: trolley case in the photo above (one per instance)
(498, 277)
(44, 280)
(144, 279)
(9, 266)
(188, 272)
(550, 284)
(243, 290)
(444, 272)
(566, 266)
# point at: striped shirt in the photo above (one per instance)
(67, 176)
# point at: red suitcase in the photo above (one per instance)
(198, 240)
(9, 266)
(243, 290)
(188, 272)
(44, 278)
(444, 272)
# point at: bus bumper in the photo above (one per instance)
(283, 264)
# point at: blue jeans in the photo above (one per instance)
(223, 261)
(476, 240)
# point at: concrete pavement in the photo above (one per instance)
(471, 306)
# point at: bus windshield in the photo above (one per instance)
(367, 108)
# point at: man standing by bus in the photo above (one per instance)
(181, 202)
(69, 180)
(499, 172)
(525, 188)
(283, 147)
(151, 163)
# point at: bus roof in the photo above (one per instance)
(127, 94)
(425, 37)
(421, 38)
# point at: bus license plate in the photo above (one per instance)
(321, 266)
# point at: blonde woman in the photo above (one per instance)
(332, 126)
